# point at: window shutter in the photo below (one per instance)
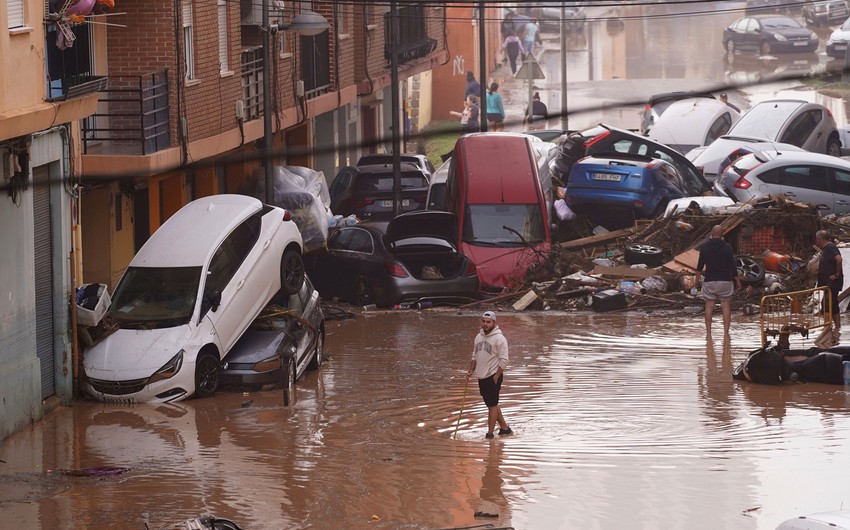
(188, 39)
(15, 12)
(222, 35)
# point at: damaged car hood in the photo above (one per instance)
(134, 353)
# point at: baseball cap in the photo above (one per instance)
(489, 314)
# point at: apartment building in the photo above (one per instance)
(152, 105)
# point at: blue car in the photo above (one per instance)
(614, 189)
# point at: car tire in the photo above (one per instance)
(288, 383)
(638, 253)
(319, 353)
(291, 271)
(730, 46)
(363, 292)
(764, 48)
(833, 146)
(751, 271)
(206, 375)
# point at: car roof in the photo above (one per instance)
(388, 168)
(496, 173)
(608, 158)
(805, 157)
(413, 157)
(679, 123)
(676, 96)
(189, 237)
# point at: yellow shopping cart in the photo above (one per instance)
(800, 312)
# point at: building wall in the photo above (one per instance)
(22, 52)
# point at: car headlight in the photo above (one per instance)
(169, 369)
(267, 365)
(780, 38)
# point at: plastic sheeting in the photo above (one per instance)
(303, 192)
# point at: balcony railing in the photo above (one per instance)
(252, 82)
(69, 71)
(132, 116)
(315, 65)
(413, 39)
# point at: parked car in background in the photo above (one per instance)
(615, 189)
(286, 339)
(436, 199)
(658, 103)
(548, 135)
(768, 34)
(420, 161)
(825, 12)
(836, 45)
(604, 139)
(791, 121)
(713, 158)
(691, 123)
(494, 189)
(188, 295)
(411, 258)
(367, 191)
(811, 178)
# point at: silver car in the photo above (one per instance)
(810, 178)
(791, 121)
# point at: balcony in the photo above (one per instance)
(252, 82)
(132, 117)
(315, 65)
(69, 71)
(414, 42)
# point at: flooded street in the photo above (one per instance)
(620, 421)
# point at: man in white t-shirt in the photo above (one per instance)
(489, 361)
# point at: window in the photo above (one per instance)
(801, 128)
(188, 40)
(841, 182)
(718, 128)
(221, 5)
(361, 241)
(774, 176)
(15, 13)
(805, 177)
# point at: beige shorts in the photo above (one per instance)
(718, 290)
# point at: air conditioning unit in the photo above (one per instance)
(251, 12)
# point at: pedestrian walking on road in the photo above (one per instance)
(473, 88)
(488, 364)
(530, 37)
(512, 46)
(720, 278)
(725, 99)
(495, 109)
(468, 116)
(830, 274)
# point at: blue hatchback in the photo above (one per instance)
(613, 189)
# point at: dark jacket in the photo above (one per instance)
(717, 259)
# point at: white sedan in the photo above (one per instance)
(188, 295)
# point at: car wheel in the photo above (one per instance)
(730, 46)
(319, 354)
(764, 48)
(289, 383)
(206, 375)
(291, 271)
(637, 253)
(362, 291)
(833, 146)
(751, 271)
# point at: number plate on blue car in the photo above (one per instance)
(605, 176)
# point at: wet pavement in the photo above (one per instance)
(620, 420)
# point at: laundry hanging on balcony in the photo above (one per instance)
(74, 12)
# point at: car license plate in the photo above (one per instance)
(840, 46)
(389, 204)
(605, 176)
(801, 43)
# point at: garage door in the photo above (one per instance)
(43, 279)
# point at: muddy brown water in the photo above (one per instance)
(620, 420)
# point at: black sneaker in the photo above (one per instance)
(505, 431)
(488, 435)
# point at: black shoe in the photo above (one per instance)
(488, 435)
(505, 431)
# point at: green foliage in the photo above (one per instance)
(439, 138)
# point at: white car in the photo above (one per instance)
(690, 123)
(188, 295)
(713, 158)
(836, 44)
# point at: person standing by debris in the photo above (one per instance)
(495, 108)
(488, 364)
(720, 278)
(830, 274)
(539, 114)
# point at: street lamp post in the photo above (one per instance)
(308, 23)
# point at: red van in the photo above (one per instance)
(493, 188)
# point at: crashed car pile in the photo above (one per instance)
(652, 265)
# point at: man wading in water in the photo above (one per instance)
(489, 360)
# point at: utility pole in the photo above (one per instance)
(267, 106)
(482, 76)
(394, 101)
(565, 119)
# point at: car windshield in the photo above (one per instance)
(156, 297)
(384, 182)
(503, 224)
(846, 25)
(779, 22)
(765, 119)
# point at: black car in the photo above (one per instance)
(387, 159)
(412, 258)
(768, 34)
(286, 339)
(605, 139)
(367, 191)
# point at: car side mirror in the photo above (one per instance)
(215, 300)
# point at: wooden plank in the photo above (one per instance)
(525, 301)
(688, 258)
(597, 239)
(623, 272)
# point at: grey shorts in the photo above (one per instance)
(718, 290)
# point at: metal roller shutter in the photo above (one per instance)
(43, 279)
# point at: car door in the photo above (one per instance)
(803, 131)
(340, 188)
(752, 34)
(225, 275)
(840, 180)
(306, 336)
(808, 184)
(694, 183)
